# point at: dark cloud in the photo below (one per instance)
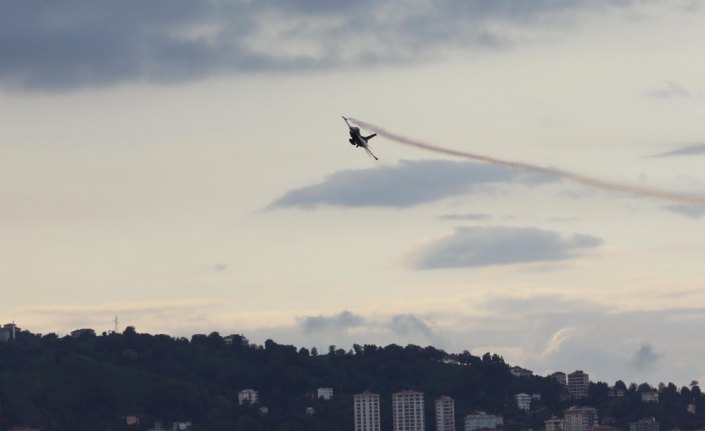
(539, 304)
(689, 150)
(78, 43)
(409, 324)
(499, 245)
(645, 357)
(469, 217)
(694, 212)
(406, 184)
(337, 323)
(673, 89)
(220, 267)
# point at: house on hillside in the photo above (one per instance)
(520, 372)
(84, 332)
(650, 396)
(481, 420)
(644, 424)
(247, 396)
(324, 393)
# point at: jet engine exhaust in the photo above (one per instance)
(636, 190)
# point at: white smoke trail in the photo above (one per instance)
(588, 181)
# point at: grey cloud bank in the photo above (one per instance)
(336, 323)
(645, 357)
(673, 89)
(80, 43)
(688, 150)
(471, 247)
(468, 217)
(693, 212)
(407, 184)
(405, 326)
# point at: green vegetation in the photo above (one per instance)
(93, 382)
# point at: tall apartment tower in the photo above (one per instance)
(560, 377)
(579, 418)
(407, 409)
(445, 414)
(578, 384)
(366, 411)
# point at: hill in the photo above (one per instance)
(91, 382)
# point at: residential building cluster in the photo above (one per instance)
(408, 413)
(582, 418)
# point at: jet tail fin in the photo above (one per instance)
(367, 138)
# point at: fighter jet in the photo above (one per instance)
(358, 140)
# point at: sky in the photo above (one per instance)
(184, 166)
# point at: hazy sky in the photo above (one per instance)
(183, 165)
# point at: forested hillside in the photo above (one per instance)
(92, 382)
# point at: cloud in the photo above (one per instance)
(673, 89)
(406, 324)
(471, 247)
(407, 184)
(85, 43)
(689, 150)
(219, 267)
(340, 322)
(469, 217)
(348, 327)
(694, 212)
(645, 357)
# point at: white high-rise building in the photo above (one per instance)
(523, 401)
(445, 414)
(366, 411)
(579, 418)
(7, 332)
(407, 409)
